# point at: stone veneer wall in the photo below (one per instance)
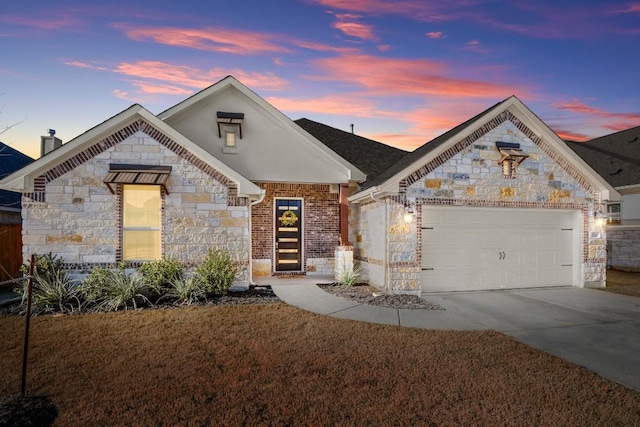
(74, 215)
(469, 174)
(321, 226)
(624, 247)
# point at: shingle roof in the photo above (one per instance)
(616, 157)
(370, 156)
(421, 151)
(10, 161)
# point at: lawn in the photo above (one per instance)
(622, 282)
(272, 364)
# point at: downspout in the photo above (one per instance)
(263, 193)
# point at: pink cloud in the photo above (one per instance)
(346, 105)
(415, 77)
(576, 106)
(87, 65)
(183, 76)
(629, 8)
(56, 21)
(208, 39)
(417, 9)
(434, 34)
(570, 135)
(355, 29)
(320, 47)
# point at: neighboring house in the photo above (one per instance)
(10, 214)
(500, 201)
(616, 158)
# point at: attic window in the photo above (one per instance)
(512, 157)
(137, 174)
(230, 120)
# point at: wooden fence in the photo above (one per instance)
(10, 250)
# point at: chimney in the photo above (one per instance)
(49, 143)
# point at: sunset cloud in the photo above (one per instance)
(345, 105)
(173, 77)
(355, 29)
(576, 106)
(633, 8)
(80, 64)
(435, 34)
(416, 9)
(209, 39)
(409, 77)
(55, 21)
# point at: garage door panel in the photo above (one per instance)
(493, 248)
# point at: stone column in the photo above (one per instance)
(343, 260)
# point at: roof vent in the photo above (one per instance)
(512, 157)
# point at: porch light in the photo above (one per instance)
(600, 217)
(408, 215)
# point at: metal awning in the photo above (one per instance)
(225, 118)
(511, 151)
(137, 174)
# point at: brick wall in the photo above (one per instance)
(320, 224)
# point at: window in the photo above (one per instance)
(141, 220)
(613, 213)
(230, 139)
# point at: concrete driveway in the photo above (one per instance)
(592, 328)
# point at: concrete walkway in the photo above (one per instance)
(592, 328)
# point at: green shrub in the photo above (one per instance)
(217, 273)
(52, 289)
(350, 277)
(186, 291)
(111, 290)
(160, 274)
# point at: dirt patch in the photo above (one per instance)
(366, 294)
(623, 282)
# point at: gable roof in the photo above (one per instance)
(388, 183)
(10, 161)
(369, 156)
(230, 83)
(23, 180)
(616, 156)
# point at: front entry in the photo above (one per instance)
(288, 233)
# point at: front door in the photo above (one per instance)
(288, 234)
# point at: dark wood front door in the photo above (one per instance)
(288, 235)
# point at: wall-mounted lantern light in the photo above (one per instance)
(600, 217)
(408, 214)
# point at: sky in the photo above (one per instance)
(402, 72)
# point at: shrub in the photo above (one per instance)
(217, 273)
(160, 274)
(52, 289)
(111, 290)
(350, 277)
(186, 291)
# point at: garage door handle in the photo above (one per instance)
(502, 255)
(427, 269)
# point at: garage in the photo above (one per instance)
(476, 248)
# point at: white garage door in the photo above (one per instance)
(466, 248)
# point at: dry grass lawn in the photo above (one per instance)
(273, 364)
(622, 282)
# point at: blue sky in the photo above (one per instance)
(402, 72)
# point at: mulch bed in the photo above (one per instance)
(365, 294)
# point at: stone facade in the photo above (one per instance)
(321, 226)
(624, 247)
(470, 174)
(74, 215)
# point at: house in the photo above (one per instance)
(222, 169)
(10, 214)
(616, 157)
(499, 201)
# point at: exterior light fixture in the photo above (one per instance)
(408, 215)
(600, 217)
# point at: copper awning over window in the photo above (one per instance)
(137, 174)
